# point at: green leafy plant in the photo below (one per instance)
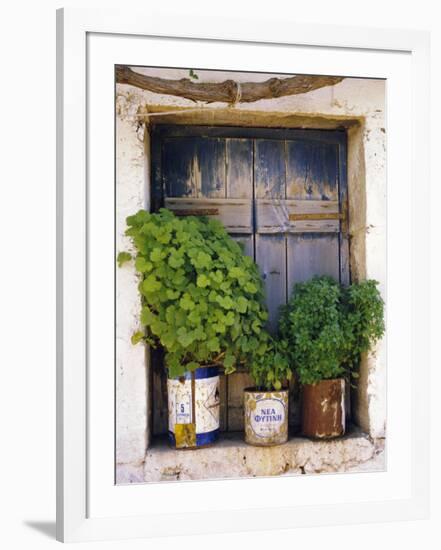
(328, 327)
(202, 298)
(270, 370)
(362, 312)
(311, 325)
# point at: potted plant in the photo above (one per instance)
(266, 404)
(201, 301)
(328, 327)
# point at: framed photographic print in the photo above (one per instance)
(242, 256)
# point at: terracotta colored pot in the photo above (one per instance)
(323, 409)
(266, 417)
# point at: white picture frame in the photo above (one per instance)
(86, 503)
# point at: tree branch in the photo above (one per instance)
(228, 91)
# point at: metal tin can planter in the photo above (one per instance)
(266, 417)
(193, 408)
(323, 409)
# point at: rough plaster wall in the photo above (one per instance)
(234, 458)
(367, 210)
(131, 365)
(355, 103)
(374, 418)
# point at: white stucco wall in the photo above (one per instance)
(131, 365)
(355, 103)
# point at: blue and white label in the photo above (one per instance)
(268, 417)
(183, 410)
(206, 403)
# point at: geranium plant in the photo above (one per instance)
(201, 297)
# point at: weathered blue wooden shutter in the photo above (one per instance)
(282, 193)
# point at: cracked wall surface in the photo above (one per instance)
(131, 365)
(231, 458)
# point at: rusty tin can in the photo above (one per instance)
(266, 417)
(193, 408)
(323, 409)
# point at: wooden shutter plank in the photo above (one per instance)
(239, 185)
(308, 254)
(239, 166)
(180, 168)
(180, 178)
(312, 245)
(235, 214)
(297, 216)
(269, 173)
(237, 382)
(180, 172)
(211, 196)
(345, 276)
(269, 167)
(312, 170)
(312, 254)
(211, 161)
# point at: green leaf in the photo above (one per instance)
(172, 294)
(151, 284)
(229, 319)
(176, 261)
(194, 317)
(225, 301)
(147, 317)
(199, 334)
(157, 255)
(193, 365)
(137, 337)
(186, 302)
(202, 281)
(236, 273)
(202, 260)
(185, 338)
(213, 344)
(168, 339)
(256, 326)
(241, 304)
(174, 366)
(251, 288)
(229, 362)
(123, 257)
(142, 265)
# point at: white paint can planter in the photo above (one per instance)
(193, 408)
(266, 417)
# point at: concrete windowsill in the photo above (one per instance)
(231, 457)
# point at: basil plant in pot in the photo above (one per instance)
(202, 302)
(266, 404)
(328, 328)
